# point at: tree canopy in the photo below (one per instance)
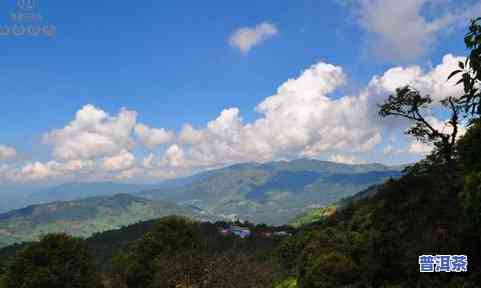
(56, 261)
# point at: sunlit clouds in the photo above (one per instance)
(300, 119)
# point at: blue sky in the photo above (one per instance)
(174, 63)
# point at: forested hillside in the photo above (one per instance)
(274, 192)
(186, 251)
(271, 193)
(435, 209)
(85, 217)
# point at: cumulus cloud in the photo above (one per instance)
(402, 30)
(153, 137)
(129, 173)
(246, 38)
(93, 133)
(300, 119)
(123, 161)
(94, 145)
(37, 171)
(7, 152)
(434, 82)
(345, 159)
(174, 157)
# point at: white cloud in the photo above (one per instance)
(148, 162)
(434, 82)
(123, 161)
(39, 171)
(94, 145)
(7, 152)
(152, 137)
(300, 119)
(246, 38)
(402, 30)
(419, 148)
(174, 157)
(93, 133)
(345, 159)
(189, 135)
(129, 173)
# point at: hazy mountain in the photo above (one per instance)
(14, 197)
(73, 191)
(18, 197)
(274, 192)
(85, 217)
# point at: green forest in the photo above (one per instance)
(370, 241)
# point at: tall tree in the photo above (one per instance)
(172, 236)
(470, 69)
(56, 261)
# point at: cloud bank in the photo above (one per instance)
(300, 119)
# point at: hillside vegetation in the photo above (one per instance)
(275, 192)
(434, 209)
(271, 193)
(84, 217)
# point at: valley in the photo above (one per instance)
(272, 193)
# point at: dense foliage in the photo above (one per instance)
(175, 251)
(56, 261)
(182, 253)
(84, 217)
(434, 209)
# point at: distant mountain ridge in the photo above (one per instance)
(271, 193)
(274, 192)
(16, 198)
(85, 217)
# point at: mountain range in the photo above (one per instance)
(272, 193)
(85, 217)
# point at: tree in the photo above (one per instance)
(239, 270)
(56, 261)
(172, 236)
(2, 275)
(332, 269)
(408, 103)
(184, 269)
(469, 148)
(470, 101)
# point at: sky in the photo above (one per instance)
(117, 90)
